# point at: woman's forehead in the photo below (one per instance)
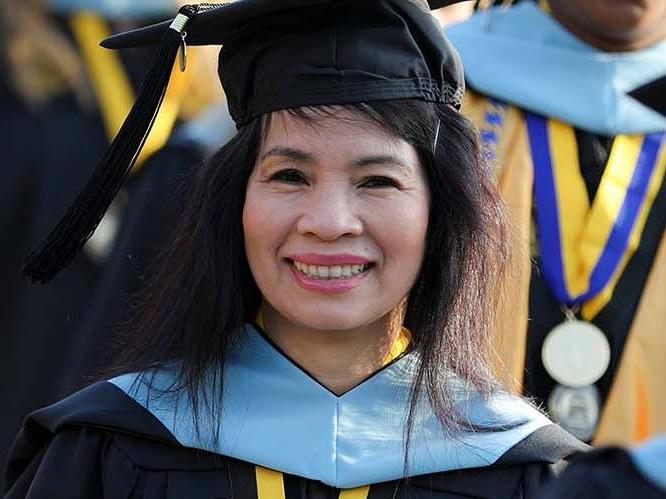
(328, 128)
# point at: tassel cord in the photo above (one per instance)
(88, 209)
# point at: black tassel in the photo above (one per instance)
(83, 216)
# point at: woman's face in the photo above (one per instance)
(335, 221)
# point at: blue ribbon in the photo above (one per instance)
(548, 218)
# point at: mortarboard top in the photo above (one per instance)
(652, 95)
(276, 54)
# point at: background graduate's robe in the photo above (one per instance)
(524, 60)
(615, 473)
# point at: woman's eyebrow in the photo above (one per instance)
(383, 159)
(288, 152)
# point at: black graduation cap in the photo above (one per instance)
(276, 54)
(652, 95)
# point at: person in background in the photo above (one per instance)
(581, 166)
(614, 473)
(63, 101)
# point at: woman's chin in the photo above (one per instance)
(332, 320)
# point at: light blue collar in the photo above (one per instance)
(650, 459)
(277, 416)
(114, 9)
(523, 56)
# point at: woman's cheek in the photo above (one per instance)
(400, 230)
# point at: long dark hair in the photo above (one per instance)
(203, 292)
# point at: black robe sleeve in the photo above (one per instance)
(99, 443)
(603, 474)
(520, 473)
(76, 463)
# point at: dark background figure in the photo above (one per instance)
(614, 473)
(54, 128)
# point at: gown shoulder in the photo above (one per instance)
(101, 443)
(607, 473)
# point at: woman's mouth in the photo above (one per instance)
(335, 277)
(330, 272)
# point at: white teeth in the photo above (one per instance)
(329, 272)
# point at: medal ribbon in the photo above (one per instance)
(585, 249)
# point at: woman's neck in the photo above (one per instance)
(339, 360)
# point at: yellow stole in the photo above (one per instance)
(636, 405)
(270, 485)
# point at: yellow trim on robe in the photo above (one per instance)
(636, 405)
(573, 204)
(357, 493)
(598, 302)
(270, 483)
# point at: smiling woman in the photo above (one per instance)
(320, 325)
(335, 218)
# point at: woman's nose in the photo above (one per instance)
(329, 215)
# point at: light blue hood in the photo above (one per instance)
(521, 55)
(277, 416)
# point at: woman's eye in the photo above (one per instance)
(290, 176)
(378, 182)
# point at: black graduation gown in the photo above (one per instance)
(608, 473)
(101, 443)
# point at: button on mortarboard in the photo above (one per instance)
(276, 54)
